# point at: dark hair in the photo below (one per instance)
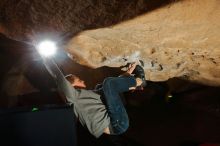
(70, 78)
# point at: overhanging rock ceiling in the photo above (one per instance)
(173, 38)
(179, 40)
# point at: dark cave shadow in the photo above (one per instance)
(190, 116)
(180, 93)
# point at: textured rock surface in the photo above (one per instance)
(179, 40)
(56, 18)
(173, 38)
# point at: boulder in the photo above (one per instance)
(178, 40)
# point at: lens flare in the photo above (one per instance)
(47, 48)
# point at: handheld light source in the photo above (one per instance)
(47, 48)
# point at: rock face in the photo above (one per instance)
(173, 38)
(25, 19)
(179, 40)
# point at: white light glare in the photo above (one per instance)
(47, 48)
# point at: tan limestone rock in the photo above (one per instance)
(179, 40)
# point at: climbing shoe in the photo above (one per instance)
(139, 73)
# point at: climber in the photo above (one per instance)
(101, 110)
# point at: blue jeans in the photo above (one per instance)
(112, 87)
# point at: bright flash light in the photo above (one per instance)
(47, 48)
